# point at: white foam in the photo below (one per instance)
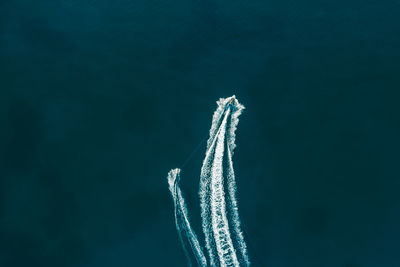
(219, 211)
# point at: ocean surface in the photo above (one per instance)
(100, 99)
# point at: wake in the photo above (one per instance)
(224, 241)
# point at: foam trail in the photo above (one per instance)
(219, 221)
(216, 225)
(233, 207)
(182, 220)
(224, 240)
(205, 187)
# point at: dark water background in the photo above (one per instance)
(99, 99)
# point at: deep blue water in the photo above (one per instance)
(99, 99)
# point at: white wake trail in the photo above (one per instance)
(224, 239)
(205, 186)
(219, 220)
(182, 219)
(233, 208)
(231, 182)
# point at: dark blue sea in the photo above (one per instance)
(100, 99)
